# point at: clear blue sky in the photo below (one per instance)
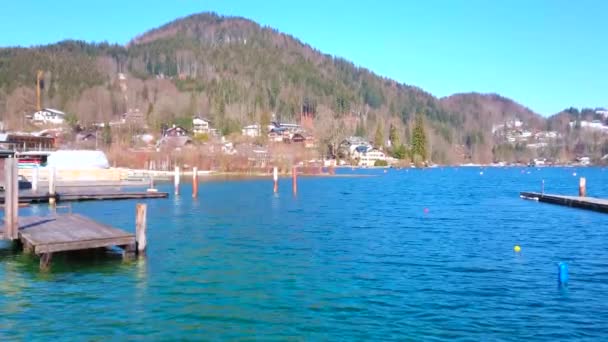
(545, 54)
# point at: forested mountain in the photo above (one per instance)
(236, 72)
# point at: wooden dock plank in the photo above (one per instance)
(589, 203)
(83, 244)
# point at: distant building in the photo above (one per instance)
(25, 142)
(275, 137)
(49, 116)
(352, 145)
(175, 131)
(369, 157)
(298, 138)
(253, 131)
(584, 161)
(591, 125)
(200, 125)
(507, 125)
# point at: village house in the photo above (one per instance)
(174, 137)
(175, 131)
(26, 142)
(252, 131)
(201, 125)
(298, 138)
(352, 145)
(48, 116)
(369, 157)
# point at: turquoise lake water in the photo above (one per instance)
(347, 259)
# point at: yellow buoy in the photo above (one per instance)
(517, 249)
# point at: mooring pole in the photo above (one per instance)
(140, 228)
(151, 188)
(176, 180)
(51, 176)
(11, 198)
(275, 177)
(294, 175)
(582, 187)
(194, 182)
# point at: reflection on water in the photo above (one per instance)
(404, 255)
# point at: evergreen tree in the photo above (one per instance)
(379, 137)
(393, 136)
(419, 140)
(360, 130)
(399, 152)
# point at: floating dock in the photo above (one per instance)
(84, 194)
(589, 203)
(61, 233)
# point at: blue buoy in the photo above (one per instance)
(562, 273)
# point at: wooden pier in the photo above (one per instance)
(589, 203)
(84, 194)
(61, 233)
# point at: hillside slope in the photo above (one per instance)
(235, 72)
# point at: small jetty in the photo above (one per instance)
(84, 194)
(589, 203)
(580, 201)
(46, 235)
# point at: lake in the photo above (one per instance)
(403, 255)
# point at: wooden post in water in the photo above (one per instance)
(176, 180)
(11, 199)
(140, 228)
(582, 187)
(45, 261)
(35, 175)
(275, 177)
(542, 188)
(151, 188)
(51, 176)
(15, 200)
(294, 175)
(194, 182)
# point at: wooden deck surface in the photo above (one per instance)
(69, 232)
(589, 203)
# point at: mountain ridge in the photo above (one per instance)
(234, 70)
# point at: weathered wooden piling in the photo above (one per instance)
(194, 182)
(45, 261)
(176, 180)
(294, 175)
(151, 187)
(582, 187)
(51, 176)
(275, 177)
(35, 175)
(140, 228)
(11, 202)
